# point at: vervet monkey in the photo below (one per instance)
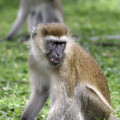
(66, 72)
(36, 11)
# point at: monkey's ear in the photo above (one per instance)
(34, 32)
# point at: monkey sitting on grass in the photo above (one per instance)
(66, 72)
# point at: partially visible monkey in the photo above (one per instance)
(61, 68)
(36, 11)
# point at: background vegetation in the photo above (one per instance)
(85, 18)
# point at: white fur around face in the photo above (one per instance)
(62, 38)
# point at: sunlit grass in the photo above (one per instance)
(85, 18)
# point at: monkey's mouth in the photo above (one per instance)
(54, 61)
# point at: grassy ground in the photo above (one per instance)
(85, 18)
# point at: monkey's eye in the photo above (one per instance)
(52, 43)
(63, 45)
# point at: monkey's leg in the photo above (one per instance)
(58, 17)
(73, 113)
(31, 20)
(88, 105)
(58, 110)
(38, 97)
(36, 102)
(59, 104)
(59, 14)
(22, 15)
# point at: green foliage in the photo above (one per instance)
(84, 18)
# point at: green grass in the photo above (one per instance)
(85, 18)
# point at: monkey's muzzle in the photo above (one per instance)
(54, 61)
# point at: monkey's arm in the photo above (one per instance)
(38, 97)
(21, 17)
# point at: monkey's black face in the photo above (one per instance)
(55, 51)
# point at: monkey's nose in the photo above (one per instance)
(58, 55)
